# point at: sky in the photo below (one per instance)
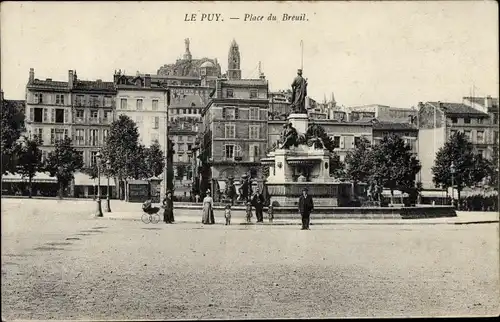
(390, 53)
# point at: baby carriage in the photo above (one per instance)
(151, 213)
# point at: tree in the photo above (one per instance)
(12, 127)
(155, 160)
(359, 163)
(30, 160)
(394, 166)
(63, 162)
(493, 169)
(459, 151)
(121, 148)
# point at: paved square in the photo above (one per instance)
(59, 263)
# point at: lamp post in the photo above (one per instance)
(452, 171)
(99, 209)
(108, 168)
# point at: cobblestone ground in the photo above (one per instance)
(59, 263)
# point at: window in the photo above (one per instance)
(453, 132)
(155, 105)
(229, 92)
(138, 104)
(79, 114)
(336, 141)
(357, 141)
(59, 115)
(38, 115)
(38, 98)
(107, 101)
(495, 137)
(80, 137)
(123, 103)
(60, 99)
(105, 134)
(94, 101)
(156, 122)
(139, 120)
(254, 113)
(94, 137)
(229, 132)
(190, 146)
(480, 136)
(94, 114)
(229, 113)
(79, 100)
(454, 120)
(57, 135)
(479, 120)
(81, 155)
(93, 158)
(107, 115)
(480, 152)
(253, 152)
(467, 120)
(229, 151)
(184, 111)
(253, 93)
(495, 118)
(254, 132)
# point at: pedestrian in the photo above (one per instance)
(270, 213)
(197, 198)
(208, 211)
(227, 214)
(249, 212)
(258, 203)
(168, 212)
(306, 205)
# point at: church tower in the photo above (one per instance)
(187, 53)
(233, 63)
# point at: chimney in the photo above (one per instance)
(70, 79)
(32, 75)
(439, 104)
(262, 76)
(147, 80)
(116, 76)
(410, 119)
(488, 102)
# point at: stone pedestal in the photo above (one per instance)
(299, 121)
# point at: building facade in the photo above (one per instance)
(235, 128)
(437, 121)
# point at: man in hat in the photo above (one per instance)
(258, 204)
(306, 205)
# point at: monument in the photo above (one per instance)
(301, 160)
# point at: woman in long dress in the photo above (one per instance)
(208, 212)
(168, 204)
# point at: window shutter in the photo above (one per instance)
(342, 142)
(31, 114)
(236, 113)
(223, 112)
(352, 142)
(52, 115)
(66, 116)
(45, 116)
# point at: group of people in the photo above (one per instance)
(305, 205)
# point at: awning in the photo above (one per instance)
(433, 193)
(81, 179)
(397, 194)
(40, 177)
(267, 161)
(301, 160)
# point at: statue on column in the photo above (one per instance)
(299, 93)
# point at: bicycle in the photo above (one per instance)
(151, 215)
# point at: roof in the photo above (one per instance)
(394, 126)
(480, 101)
(36, 83)
(187, 101)
(243, 82)
(457, 108)
(94, 85)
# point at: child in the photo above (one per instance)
(249, 212)
(270, 213)
(227, 214)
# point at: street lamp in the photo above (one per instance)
(108, 168)
(452, 171)
(99, 209)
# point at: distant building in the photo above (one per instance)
(145, 102)
(408, 131)
(279, 104)
(437, 121)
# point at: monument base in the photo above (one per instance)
(299, 121)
